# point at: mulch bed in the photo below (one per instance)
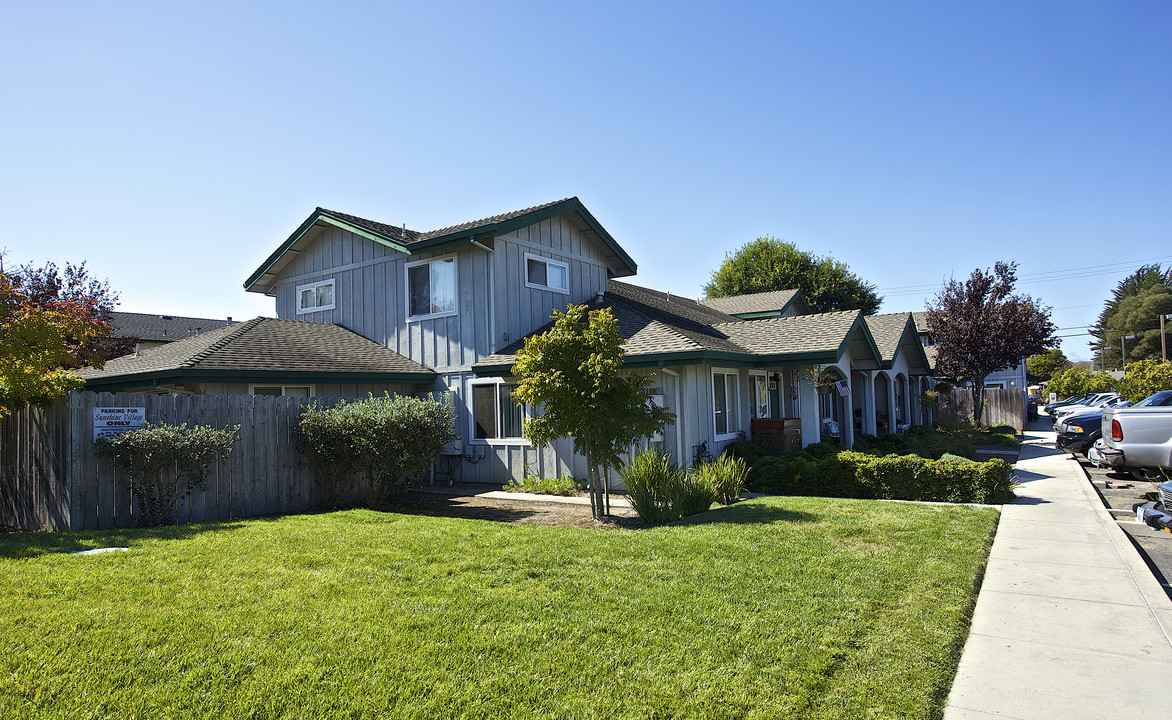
(533, 512)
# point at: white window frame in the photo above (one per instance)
(252, 387)
(732, 409)
(548, 262)
(455, 288)
(753, 375)
(314, 286)
(495, 383)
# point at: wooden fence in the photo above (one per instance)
(1002, 407)
(52, 478)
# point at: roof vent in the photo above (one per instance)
(598, 296)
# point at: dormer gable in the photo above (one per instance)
(411, 242)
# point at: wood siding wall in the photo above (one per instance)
(494, 306)
(51, 477)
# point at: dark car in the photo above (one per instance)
(1077, 433)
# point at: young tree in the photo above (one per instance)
(39, 344)
(573, 372)
(981, 327)
(770, 264)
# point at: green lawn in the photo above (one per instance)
(777, 607)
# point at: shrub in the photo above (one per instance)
(749, 451)
(1145, 377)
(392, 440)
(166, 462)
(896, 477)
(661, 493)
(693, 493)
(650, 480)
(564, 486)
(727, 475)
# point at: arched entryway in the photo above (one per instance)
(882, 404)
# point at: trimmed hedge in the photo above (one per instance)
(892, 477)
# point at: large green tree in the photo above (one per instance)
(1134, 308)
(1041, 367)
(771, 264)
(573, 374)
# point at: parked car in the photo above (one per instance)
(1077, 433)
(1102, 400)
(1137, 438)
(1072, 400)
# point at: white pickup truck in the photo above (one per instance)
(1138, 437)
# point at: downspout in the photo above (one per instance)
(491, 298)
(679, 430)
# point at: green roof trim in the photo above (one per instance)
(696, 357)
(860, 323)
(456, 237)
(911, 325)
(304, 228)
(505, 227)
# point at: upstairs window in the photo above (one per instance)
(315, 297)
(545, 274)
(431, 288)
(495, 416)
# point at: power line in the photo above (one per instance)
(1040, 277)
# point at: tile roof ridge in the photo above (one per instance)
(439, 232)
(233, 333)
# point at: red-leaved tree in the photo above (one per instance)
(981, 326)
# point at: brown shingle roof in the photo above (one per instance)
(413, 236)
(267, 345)
(160, 328)
(774, 300)
(655, 324)
(888, 332)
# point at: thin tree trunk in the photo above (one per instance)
(594, 509)
(606, 490)
(978, 399)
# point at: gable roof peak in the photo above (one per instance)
(411, 242)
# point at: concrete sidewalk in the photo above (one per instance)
(1070, 622)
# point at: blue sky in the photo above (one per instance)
(173, 147)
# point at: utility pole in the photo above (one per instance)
(1163, 339)
(1123, 343)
